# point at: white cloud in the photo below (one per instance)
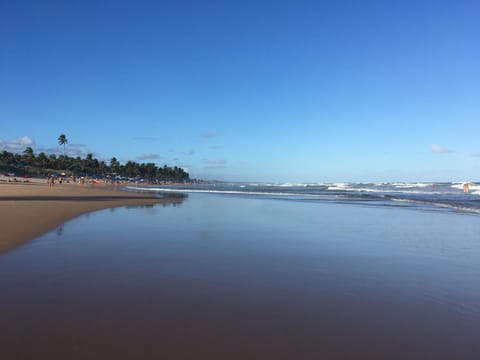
(75, 150)
(77, 145)
(208, 135)
(17, 145)
(215, 164)
(438, 149)
(148, 157)
(72, 150)
(146, 138)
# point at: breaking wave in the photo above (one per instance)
(440, 196)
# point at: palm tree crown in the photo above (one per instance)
(62, 140)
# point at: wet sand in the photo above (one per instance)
(29, 209)
(228, 277)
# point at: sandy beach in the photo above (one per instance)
(29, 209)
(234, 277)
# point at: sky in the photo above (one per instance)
(276, 91)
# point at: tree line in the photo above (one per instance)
(42, 164)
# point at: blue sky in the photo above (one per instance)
(300, 91)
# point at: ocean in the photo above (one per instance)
(254, 271)
(434, 196)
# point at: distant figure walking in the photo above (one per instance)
(466, 188)
(50, 181)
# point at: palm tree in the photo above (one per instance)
(28, 152)
(114, 165)
(62, 140)
(28, 155)
(42, 159)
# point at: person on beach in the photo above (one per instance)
(466, 188)
(50, 181)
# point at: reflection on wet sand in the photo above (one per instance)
(29, 209)
(232, 278)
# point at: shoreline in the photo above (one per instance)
(28, 210)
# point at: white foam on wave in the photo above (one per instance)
(474, 189)
(441, 205)
(339, 186)
(286, 184)
(411, 185)
(458, 185)
(381, 189)
(419, 188)
(209, 191)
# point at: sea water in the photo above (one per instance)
(449, 196)
(225, 275)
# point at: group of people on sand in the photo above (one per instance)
(51, 180)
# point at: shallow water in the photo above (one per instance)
(240, 277)
(449, 196)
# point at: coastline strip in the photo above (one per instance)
(28, 210)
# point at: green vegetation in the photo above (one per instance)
(62, 140)
(42, 164)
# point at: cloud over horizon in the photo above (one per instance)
(149, 156)
(72, 150)
(17, 145)
(215, 164)
(438, 149)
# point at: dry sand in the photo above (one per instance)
(30, 209)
